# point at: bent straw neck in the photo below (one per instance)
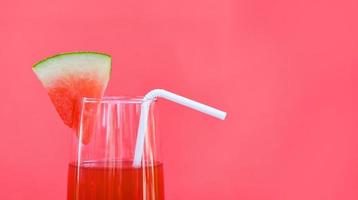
(142, 128)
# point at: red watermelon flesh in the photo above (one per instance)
(71, 76)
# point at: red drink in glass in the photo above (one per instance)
(115, 181)
(101, 166)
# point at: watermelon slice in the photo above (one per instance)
(68, 77)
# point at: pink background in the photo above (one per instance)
(285, 71)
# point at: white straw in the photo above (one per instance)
(143, 120)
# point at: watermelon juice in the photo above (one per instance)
(107, 129)
(115, 181)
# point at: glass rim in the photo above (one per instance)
(117, 99)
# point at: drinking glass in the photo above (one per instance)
(101, 165)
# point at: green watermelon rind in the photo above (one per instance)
(46, 72)
(42, 63)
